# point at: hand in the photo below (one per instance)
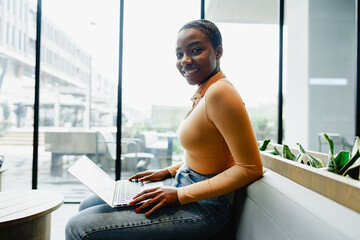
(151, 175)
(157, 198)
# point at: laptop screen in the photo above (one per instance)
(93, 177)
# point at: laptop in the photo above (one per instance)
(115, 193)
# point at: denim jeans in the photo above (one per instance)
(197, 220)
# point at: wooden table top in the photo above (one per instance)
(22, 206)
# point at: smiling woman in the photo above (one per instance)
(198, 52)
(221, 156)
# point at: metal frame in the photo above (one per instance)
(280, 89)
(357, 103)
(37, 96)
(119, 113)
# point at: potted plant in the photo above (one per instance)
(332, 175)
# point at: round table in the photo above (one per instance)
(27, 214)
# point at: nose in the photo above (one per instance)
(185, 60)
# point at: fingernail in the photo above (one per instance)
(131, 203)
(134, 198)
(146, 214)
(136, 209)
(141, 179)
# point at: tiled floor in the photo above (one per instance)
(59, 219)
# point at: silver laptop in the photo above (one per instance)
(115, 193)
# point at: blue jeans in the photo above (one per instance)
(197, 220)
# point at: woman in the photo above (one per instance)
(221, 155)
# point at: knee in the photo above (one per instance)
(71, 230)
(91, 201)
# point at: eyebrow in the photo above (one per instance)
(190, 45)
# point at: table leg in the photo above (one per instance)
(38, 228)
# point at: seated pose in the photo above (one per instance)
(221, 156)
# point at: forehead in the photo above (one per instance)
(189, 36)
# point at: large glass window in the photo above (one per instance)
(155, 96)
(78, 89)
(250, 60)
(79, 74)
(319, 72)
(16, 98)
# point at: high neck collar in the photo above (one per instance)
(205, 85)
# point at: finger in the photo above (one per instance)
(139, 175)
(147, 204)
(144, 195)
(151, 177)
(154, 209)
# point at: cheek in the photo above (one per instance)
(177, 65)
(212, 62)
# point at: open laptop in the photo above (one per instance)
(114, 193)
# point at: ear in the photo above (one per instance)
(219, 52)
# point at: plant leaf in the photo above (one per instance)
(331, 167)
(350, 164)
(302, 158)
(264, 145)
(286, 153)
(354, 172)
(276, 152)
(356, 146)
(341, 159)
(330, 143)
(313, 161)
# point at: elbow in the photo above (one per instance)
(256, 172)
(259, 169)
(252, 172)
(259, 172)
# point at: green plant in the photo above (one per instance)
(303, 156)
(344, 163)
(264, 144)
(310, 160)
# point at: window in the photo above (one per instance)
(8, 34)
(72, 112)
(16, 106)
(1, 32)
(250, 60)
(155, 96)
(19, 40)
(319, 71)
(13, 39)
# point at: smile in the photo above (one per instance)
(188, 72)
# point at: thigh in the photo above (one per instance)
(191, 221)
(92, 200)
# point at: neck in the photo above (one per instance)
(210, 75)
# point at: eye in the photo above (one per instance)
(179, 55)
(196, 50)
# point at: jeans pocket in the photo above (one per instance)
(193, 178)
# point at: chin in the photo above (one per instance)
(191, 82)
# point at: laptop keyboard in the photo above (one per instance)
(126, 191)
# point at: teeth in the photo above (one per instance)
(190, 71)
